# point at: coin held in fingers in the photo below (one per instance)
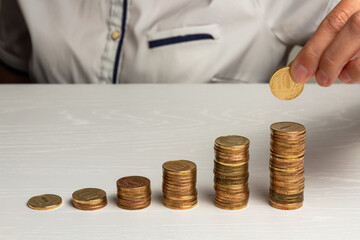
(283, 87)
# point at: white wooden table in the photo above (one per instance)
(57, 139)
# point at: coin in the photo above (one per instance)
(136, 207)
(133, 182)
(227, 206)
(283, 87)
(288, 206)
(45, 202)
(133, 187)
(134, 192)
(180, 207)
(89, 207)
(287, 128)
(179, 166)
(287, 149)
(179, 184)
(89, 199)
(231, 172)
(89, 195)
(232, 142)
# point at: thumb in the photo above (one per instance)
(307, 61)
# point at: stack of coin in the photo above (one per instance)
(179, 184)
(231, 172)
(89, 199)
(134, 192)
(287, 152)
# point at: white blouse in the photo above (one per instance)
(154, 41)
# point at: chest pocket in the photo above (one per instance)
(183, 35)
(188, 54)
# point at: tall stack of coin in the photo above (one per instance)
(287, 152)
(134, 192)
(179, 184)
(89, 199)
(231, 172)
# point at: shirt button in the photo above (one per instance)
(115, 35)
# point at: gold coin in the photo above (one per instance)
(287, 128)
(287, 181)
(179, 166)
(232, 142)
(228, 206)
(89, 207)
(137, 207)
(179, 184)
(286, 137)
(89, 196)
(133, 183)
(182, 206)
(186, 207)
(290, 206)
(231, 172)
(283, 87)
(44, 202)
(132, 202)
(231, 164)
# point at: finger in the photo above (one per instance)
(351, 72)
(307, 61)
(340, 51)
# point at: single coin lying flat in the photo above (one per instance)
(44, 202)
(283, 87)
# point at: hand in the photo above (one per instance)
(329, 53)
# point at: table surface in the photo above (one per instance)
(57, 139)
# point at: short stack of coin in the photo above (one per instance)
(89, 199)
(134, 192)
(287, 150)
(179, 184)
(231, 172)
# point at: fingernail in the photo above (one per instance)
(323, 79)
(299, 73)
(345, 77)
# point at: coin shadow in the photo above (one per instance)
(207, 195)
(157, 196)
(113, 199)
(339, 133)
(259, 192)
(70, 202)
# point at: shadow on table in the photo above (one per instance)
(206, 195)
(342, 131)
(325, 149)
(157, 196)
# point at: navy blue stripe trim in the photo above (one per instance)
(179, 39)
(118, 51)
